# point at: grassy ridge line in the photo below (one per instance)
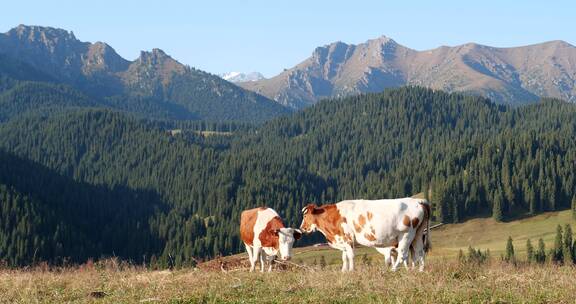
(444, 282)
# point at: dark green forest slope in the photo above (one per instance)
(178, 197)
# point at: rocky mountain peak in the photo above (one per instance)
(51, 38)
(101, 56)
(154, 57)
(384, 40)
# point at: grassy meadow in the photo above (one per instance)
(227, 281)
(443, 282)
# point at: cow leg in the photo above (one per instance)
(249, 250)
(417, 249)
(387, 253)
(393, 256)
(413, 256)
(418, 254)
(350, 257)
(255, 255)
(403, 247)
(263, 260)
(270, 261)
(344, 261)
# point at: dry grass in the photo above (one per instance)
(444, 282)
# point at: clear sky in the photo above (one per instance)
(267, 36)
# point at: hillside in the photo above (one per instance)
(516, 75)
(20, 98)
(472, 157)
(47, 216)
(154, 85)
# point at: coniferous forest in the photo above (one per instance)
(80, 182)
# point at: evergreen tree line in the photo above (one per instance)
(563, 252)
(181, 194)
(190, 96)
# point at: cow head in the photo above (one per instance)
(286, 239)
(310, 221)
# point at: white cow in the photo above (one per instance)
(372, 223)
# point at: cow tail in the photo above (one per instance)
(428, 216)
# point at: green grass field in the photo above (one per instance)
(226, 280)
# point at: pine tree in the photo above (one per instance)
(541, 253)
(509, 257)
(439, 199)
(497, 208)
(529, 251)
(558, 244)
(531, 197)
(567, 245)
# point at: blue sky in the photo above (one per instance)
(264, 36)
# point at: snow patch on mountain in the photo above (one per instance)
(242, 77)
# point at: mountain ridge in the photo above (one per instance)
(98, 71)
(511, 75)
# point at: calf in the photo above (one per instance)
(264, 236)
(372, 223)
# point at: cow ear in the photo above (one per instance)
(276, 231)
(297, 234)
(308, 207)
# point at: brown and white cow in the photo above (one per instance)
(264, 235)
(372, 223)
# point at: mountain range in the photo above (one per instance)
(515, 75)
(157, 86)
(153, 85)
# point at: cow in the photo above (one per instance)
(372, 223)
(264, 236)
